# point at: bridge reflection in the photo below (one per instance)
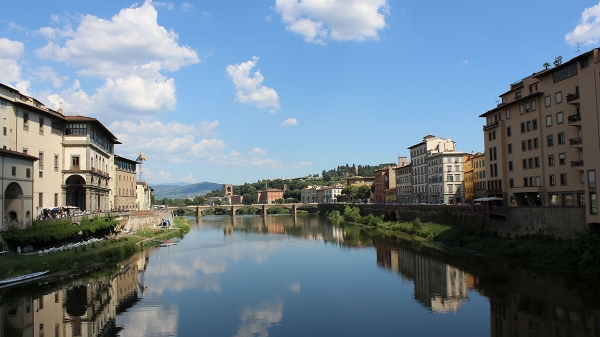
(233, 208)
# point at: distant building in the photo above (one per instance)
(143, 195)
(125, 183)
(236, 199)
(420, 170)
(227, 189)
(308, 195)
(403, 181)
(358, 180)
(268, 196)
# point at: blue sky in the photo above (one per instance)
(237, 91)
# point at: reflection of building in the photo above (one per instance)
(438, 286)
(83, 309)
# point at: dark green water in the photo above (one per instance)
(305, 276)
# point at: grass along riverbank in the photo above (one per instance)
(581, 255)
(87, 259)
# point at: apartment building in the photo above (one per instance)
(382, 180)
(143, 195)
(308, 194)
(330, 193)
(445, 172)
(269, 195)
(418, 158)
(542, 139)
(125, 183)
(404, 182)
(479, 180)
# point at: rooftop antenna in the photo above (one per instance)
(140, 159)
(578, 51)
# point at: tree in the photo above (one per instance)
(349, 192)
(249, 199)
(198, 200)
(546, 65)
(363, 192)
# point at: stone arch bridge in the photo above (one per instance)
(232, 208)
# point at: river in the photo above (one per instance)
(283, 275)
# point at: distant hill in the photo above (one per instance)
(184, 190)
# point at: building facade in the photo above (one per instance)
(125, 183)
(418, 158)
(542, 139)
(404, 183)
(16, 200)
(269, 195)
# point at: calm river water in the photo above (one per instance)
(305, 276)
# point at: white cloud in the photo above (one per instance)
(186, 6)
(297, 165)
(588, 30)
(164, 175)
(10, 52)
(294, 287)
(45, 73)
(130, 51)
(250, 89)
(206, 15)
(339, 20)
(169, 5)
(189, 179)
(289, 122)
(268, 18)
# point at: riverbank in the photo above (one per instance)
(579, 255)
(90, 258)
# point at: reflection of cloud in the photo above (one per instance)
(149, 321)
(257, 321)
(293, 287)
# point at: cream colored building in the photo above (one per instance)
(88, 150)
(404, 182)
(479, 180)
(143, 195)
(16, 200)
(445, 177)
(125, 183)
(542, 139)
(31, 128)
(418, 158)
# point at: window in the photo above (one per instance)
(25, 121)
(521, 109)
(538, 181)
(523, 146)
(537, 161)
(547, 101)
(41, 160)
(592, 178)
(511, 183)
(550, 140)
(551, 160)
(24, 151)
(41, 175)
(28, 173)
(508, 131)
(522, 127)
(568, 199)
(56, 163)
(528, 126)
(41, 199)
(525, 164)
(558, 97)
(533, 107)
(14, 171)
(75, 163)
(559, 118)
(41, 125)
(3, 104)
(529, 144)
(553, 198)
(4, 131)
(564, 73)
(581, 199)
(561, 138)
(562, 158)
(584, 63)
(530, 163)
(527, 107)
(517, 95)
(507, 113)
(534, 124)
(593, 203)
(510, 165)
(563, 178)
(509, 148)
(536, 143)
(55, 199)
(552, 180)
(549, 120)
(76, 129)
(56, 128)
(525, 182)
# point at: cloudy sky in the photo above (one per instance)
(237, 91)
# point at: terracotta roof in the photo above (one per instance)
(11, 153)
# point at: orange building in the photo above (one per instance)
(268, 196)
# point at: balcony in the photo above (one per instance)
(576, 141)
(573, 98)
(491, 126)
(574, 119)
(74, 167)
(516, 85)
(577, 163)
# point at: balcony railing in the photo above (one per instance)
(577, 163)
(572, 97)
(575, 141)
(574, 118)
(75, 167)
(490, 126)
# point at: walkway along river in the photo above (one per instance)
(305, 276)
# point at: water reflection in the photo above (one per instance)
(271, 275)
(86, 307)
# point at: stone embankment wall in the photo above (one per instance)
(563, 222)
(138, 220)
